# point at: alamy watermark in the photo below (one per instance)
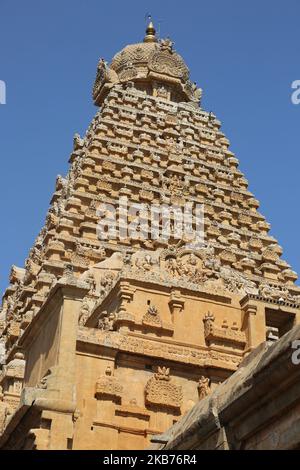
(2, 92)
(161, 222)
(295, 97)
(296, 353)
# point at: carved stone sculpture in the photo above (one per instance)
(161, 391)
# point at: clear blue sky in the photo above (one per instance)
(244, 55)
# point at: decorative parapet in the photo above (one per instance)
(107, 386)
(226, 335)
(273, 296)
(161, 391)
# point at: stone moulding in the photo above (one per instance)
(283, 303)
(137, 344)
(132, 410)
(140, 431)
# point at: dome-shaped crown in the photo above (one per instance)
(150, 62)
(147, 57)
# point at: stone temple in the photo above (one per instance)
(107, 342)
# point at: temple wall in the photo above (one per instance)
(123, 335)
(43, 350)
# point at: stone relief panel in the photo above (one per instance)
(226, 335)
(160, 390)
(107, 386)
(203, 387)
(152, 317)
(197, 268)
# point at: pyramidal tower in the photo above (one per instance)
(110, 333)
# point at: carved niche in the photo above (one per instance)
(160, 390)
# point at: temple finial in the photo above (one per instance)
(150, 31)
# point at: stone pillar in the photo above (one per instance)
(55, 394)
(176, 305)
(254, 323)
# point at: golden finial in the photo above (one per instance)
(150, 32)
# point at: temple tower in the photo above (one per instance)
(107, 340)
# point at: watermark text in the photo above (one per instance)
(2, 92)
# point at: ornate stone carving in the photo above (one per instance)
(160, 350)
(166, 45)
(145, 261)
(226, 336)
(69, 271)
(43, 383)
(236, 282)
(161, 391)
(162, 92)
(84, 312)
(152, 317)
(4, 411)
(11, 380)
(107, 386)
(167, 62)
(2, 345)
(106, 321)
(16, 367)
(90, 280)
(129, 72)
(106, 283)
(77, 142)
(208, 321)
(16, 275)
(176, 185)
(185, 264)
(203, 387)
(151, 142)
(277, 292)
(104, 75)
